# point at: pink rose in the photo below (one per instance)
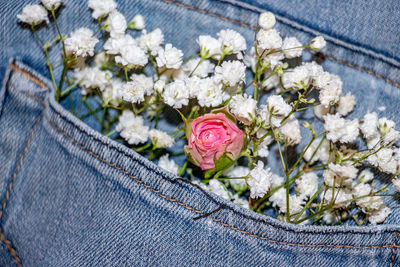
(211, 136)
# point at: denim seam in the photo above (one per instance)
(394, 249)
(28, 75)
(10, 186)
(190, 208)
(206, 12)
(310, 30)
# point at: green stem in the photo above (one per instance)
(198, 64)
(111, 133)
(92, 111)
(63, 93)
(142, 148)
(126, 74)
(309, 202)
(183, 168)
(103, 117)
(60, 84)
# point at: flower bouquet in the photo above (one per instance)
(240, 109)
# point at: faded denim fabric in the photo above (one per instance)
(72, 197)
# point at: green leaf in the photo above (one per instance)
(226, 112)
(188, 128)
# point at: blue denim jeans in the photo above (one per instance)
(73, 197)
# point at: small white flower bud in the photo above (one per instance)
(266, 20)
(318, 43)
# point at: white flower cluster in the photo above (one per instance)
(33, 15)
(132, 128)
(81, 42)
(140, 79)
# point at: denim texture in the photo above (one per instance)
(72, 197)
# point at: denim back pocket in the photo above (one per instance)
(71, 196)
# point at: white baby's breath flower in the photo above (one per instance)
(396, 183)
(387, 130)
(131, 56)
(232, 42)
(330, 88)
(318, 43)
(307, 184)
(137, 23)
(365, 176)
(240, 201)
(193, 85)
(339, 175)
(341, 197)
(290, 131)
(113, 45)
(322, 154)
(132, 92)
(209, 47)
(81, 42)
(244, 108)
(380, 215)
(160, 139)
(217, 188)
(268, 39)
(301, 76)
(146, 82)
(101, 8)
(131, 128)
(320, 111)
(116, 23)
(346, 104)
(259, 180)
(339, 129)
(176, 94)
(91, 78)
(151, 42)
(386, 159)
(111, 94)
(159, 86)
(369, 126)
(33, 15)
(210, 93)
(51, 4)
(168, 164)
(230, 73)
(279, 109)
(170, 57)
(201, 70)
(101, 59)
(292, 47)
(278, 199)
(266, 20)
(331, 217)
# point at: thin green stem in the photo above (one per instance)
(103, 117)
(69, 88)
(92, 111)
(111, 133)
(309, 202)
(198, 64)
(142, 148)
